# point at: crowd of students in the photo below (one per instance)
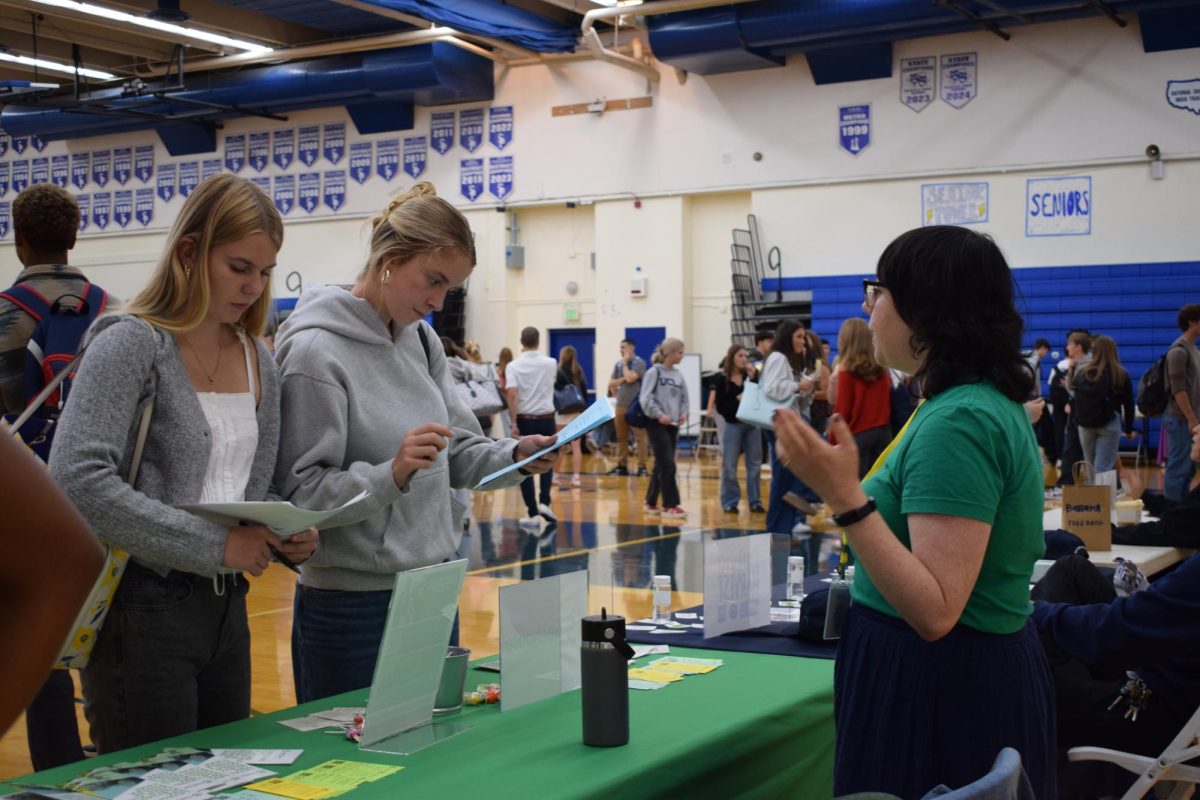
(940, 663)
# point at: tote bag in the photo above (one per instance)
(757, 408)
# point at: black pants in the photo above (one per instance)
(662, 479)
(1084, 694)
(50, 724)
(1072, 452)
(541, 427)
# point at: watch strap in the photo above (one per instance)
(855, 515)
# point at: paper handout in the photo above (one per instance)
(596, 415)
(280, 516)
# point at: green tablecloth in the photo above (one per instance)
(760, 726)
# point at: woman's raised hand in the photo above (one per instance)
(831, 470)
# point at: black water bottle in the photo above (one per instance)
(604, 675)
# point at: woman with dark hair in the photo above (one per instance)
(1101, 390)
(738, 438)
(569, 372)
(938, 665)
(784, 376)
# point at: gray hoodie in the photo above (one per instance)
(350, 392)
(664, 391)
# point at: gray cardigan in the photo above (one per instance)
(128, 361)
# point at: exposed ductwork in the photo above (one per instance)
(378, 88)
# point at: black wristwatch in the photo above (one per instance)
(856, 515)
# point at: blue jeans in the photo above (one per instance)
(740, 439)
(1180, 467)
(335, 640)
(173, 657)
(782, 517)
(1100, 444)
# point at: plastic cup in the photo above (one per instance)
(454, 677)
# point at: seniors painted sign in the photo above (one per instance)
(918, 82)
(960, 78)
(854, 128)
(1058, 206)
(954, 203)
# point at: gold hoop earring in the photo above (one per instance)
(187, 271)
(387, 274)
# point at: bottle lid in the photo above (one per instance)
(604, 628)
(795, 559)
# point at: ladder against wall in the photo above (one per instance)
(750, 309)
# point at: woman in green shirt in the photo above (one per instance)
(938, 667)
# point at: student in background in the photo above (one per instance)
(1183, 410)
(864, 392)
(944, 534)
(763, 341)
(569, 372)
(1078, 348)
(368, 405)
(174, 653)
(783, 378)
(625, 384)
(530, 393)
(63, 554)
(1102, 389)
(739, 438)
(505, 358)
(818, 368)
(664, 399)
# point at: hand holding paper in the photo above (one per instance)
(596, 415)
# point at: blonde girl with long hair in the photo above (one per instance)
(864, 392)
(369, 405)
(1105, 379)
(174, 653)
(664, 399)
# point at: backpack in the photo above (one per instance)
(1153, 393)
(52, 350)
(635, 417)
(1093, 404)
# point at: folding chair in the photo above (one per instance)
(1169, 766)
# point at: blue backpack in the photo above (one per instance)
(50, 357)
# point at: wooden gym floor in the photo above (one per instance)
(601, 528)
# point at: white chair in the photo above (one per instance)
(1169, 766)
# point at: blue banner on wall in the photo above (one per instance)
(122, 212)
(189, 177)
(143, 208)
(235, 153)
(143, 162)
(166, 182)
(20, 176)
(470, 181)
(470, 128)
(334, 190)
(441, 131)
(5, 216)
(209, 167)
(500, 176)
(954, 203)
(101, 167)
(1058, 206)
(918, 82)
(854, 128)
(3, 144)
(60, 171)
(387, 158)
(308, 145)
(84, 202)
(81, 169)
(283, 147)
(37, 143)
(310, 191)
(39, 171)
(262, 182)
(959, 78)
(285, 193)
(20, 144)
(333, 142)
(500, 126)
(101, 209)
(122, 168)
(3, 178)
(259, 150)
(414, 156)
(360, 161)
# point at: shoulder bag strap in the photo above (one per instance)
(143, 429)
(424, 343)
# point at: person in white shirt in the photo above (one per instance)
(529, 381)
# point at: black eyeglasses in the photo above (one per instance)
(871, 291)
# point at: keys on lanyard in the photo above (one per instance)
(1135, 693)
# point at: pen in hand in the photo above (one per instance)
(282, 559)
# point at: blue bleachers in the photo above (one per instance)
(1135, 304)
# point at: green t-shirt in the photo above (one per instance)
(969, 452)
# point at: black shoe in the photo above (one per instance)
(641, 473)
(617, 471)
(731, 509)
(757, 508)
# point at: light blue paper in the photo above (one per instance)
(597, 414)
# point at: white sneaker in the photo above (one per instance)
(530, 523)
(546, 512)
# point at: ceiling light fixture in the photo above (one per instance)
(42, 63)
(154, 24)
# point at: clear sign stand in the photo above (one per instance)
(540, 630)
(737, 584)
(399, 718)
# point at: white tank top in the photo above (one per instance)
(233, 420)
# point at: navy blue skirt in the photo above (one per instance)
(912, 714)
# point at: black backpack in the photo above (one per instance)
(1153, 393)
(1093, 405)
